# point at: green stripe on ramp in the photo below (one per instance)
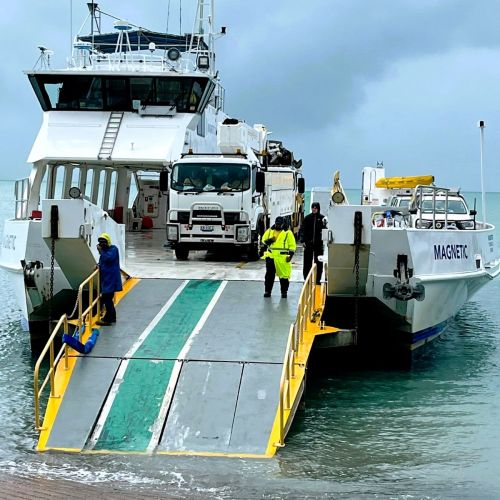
(128, 426)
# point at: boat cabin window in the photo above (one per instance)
(454, 206)
(218, 177)
(115, 93)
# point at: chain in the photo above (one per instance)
(70, 316)
(357, 246)
(51, 286)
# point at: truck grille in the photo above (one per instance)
(230, 217)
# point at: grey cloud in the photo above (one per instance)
(303, 69)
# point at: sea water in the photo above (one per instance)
(429, 432)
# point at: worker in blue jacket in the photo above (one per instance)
(111, 280)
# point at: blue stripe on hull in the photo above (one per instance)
(432, 331)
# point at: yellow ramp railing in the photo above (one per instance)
(307, 311)
(85, 317)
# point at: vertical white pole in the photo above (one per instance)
(481, 124)
(70, 26)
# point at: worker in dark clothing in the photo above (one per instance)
(111, 280)
(311, 238)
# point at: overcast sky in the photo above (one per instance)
(344, 83)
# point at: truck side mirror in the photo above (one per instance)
(164, 180)
(260, 182)
(413, 211)
(301, 185)
(473, 212)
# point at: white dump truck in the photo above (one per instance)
(232, 196)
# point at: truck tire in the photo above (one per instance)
(253, 251)
(181, 253)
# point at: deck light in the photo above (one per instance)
(203, 63)
(173, 54)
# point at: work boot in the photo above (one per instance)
(284, 295)
(267, 294)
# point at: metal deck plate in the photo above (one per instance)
(80, 407)
(256, 409)
(135, 408)
(245, 326)
(134, 312)
(202, 411)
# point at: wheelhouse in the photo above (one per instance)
(91, 92)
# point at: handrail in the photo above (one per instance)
(82, 315)
(305, 311)
(85, 317)
(53, 364)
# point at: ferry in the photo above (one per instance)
(404, 261)
(200, 361)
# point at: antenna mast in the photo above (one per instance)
(95, 18)
(481, 124)
(203, 34)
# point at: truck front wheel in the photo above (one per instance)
(181, 253)
(253, 251)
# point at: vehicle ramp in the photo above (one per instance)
(191, 367)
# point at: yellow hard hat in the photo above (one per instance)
(105, 236)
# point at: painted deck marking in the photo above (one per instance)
(140, 394)
(158, 425)
(123, 366)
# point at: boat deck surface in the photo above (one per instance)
(147, 257)
(192, 366)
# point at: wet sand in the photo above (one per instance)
(23, 487)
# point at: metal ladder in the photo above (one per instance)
(110, 134)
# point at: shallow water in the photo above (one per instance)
(429, 432)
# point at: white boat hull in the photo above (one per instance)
(447, 266)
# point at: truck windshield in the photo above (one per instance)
(218, 177)
(454, 206)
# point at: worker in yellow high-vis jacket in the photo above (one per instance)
(279, 247)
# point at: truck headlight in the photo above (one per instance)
(242, 234)
(423, 224)
(467, 224)
(172, 232)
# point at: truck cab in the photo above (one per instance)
(230, 197)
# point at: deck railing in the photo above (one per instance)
(306, 311)
(53, 362)
(85, 317)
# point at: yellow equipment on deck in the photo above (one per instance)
(404, 182)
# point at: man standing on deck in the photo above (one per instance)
(311, 238)
(111, 280)
(279, 247)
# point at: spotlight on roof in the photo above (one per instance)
(173, 54)
(203, 62)
(152, 47)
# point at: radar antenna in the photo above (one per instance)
(43, 61)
